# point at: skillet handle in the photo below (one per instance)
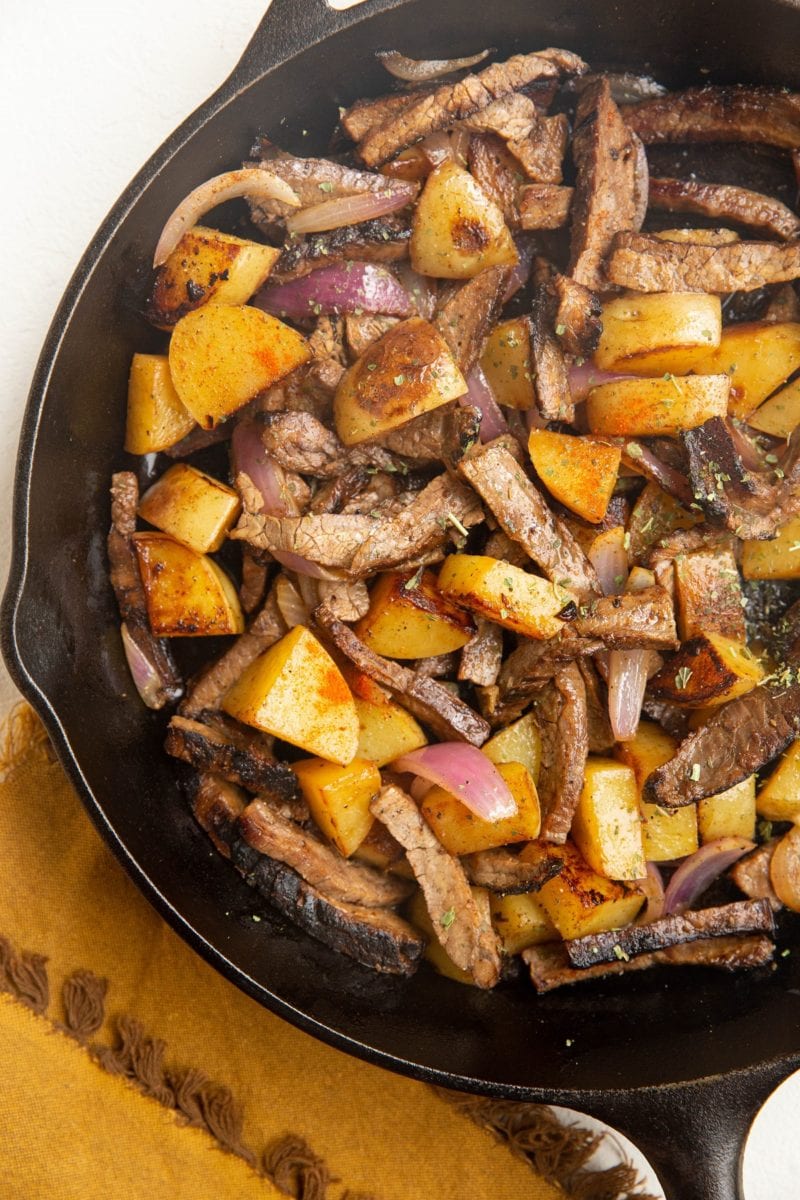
(290, 26)
(694, 1134)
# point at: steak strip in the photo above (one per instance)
(562, 720)
(647, 264)
(453, 102)
(549, 966)
(751, 875)
(727, 203)
(323, 867)
(301, 443)
(248, 765)
(549, 368)
(449, 718)
(718, 114)
(462, 928)
(502, 871)
(743, 916)
(383, 239)
(465, 318)
(524, 517)
(544, 206)
(216, 806)
(482, 657)
(633, 620)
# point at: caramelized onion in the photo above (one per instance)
(352, 210)
(463, 771)
(144, 672)
(653, 887)
(481, 396)
(419, 70)
(304, 566)
(521, 271)
(292, 607)
(699, 870)
(583, 377)
(343, 287)
(268, 477)
(254, 182)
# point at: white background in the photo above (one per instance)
(89, 89)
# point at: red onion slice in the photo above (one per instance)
(268, 477)
(627, 680)
(254, 182)
(341, 288)
(304, 566)
(421, 289)
(654, 468)
(419, 70)
(480, 395)
(699, 870)
(463, 771)
(583, 377)
(653, 887)
(292, 607)
(609, 558)
(352, 210)
(144, 673)
(459, 146)
(521, 271)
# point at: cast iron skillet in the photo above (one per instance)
(679, 1061)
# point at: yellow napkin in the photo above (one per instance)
(172, 1083)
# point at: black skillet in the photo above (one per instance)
(679, 1061)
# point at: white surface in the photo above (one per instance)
(89, 90)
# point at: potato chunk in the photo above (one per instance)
(578, 900)
(339, 798)
(385, 731)
(413, 621)
(758, 356)
(208, 267)
(457, 230)
(667, 834)
(653, 407)
(187, 594)
(578, 471)
(709, 595)
(649, 334)
(607, 827)
(505, 594)
(780, 415)
(407, 372)
(462, 832)
(707, 671)
(296, 692)
(729, 814)
(521, 921)
(195, 508)
(779, 798)
(506, 363)
(778, 558)
(520, 742)
(157, 418)
(222, 356)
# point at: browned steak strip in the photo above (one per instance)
(502, 871)
(576, 316)
(364, 329)
(438, 666)
(465, 318)
(549, 368)
(524, 517)
(482, 657)
(751, 875)
(726, 203)
(384, 239)
(743, 916)
(607, 192)
(127, 584)
(254, 582)
(498, 173)
(330, 540)
(601, 736)
(647, 264)
(784, 304)
(527, 669)
(216, 806)
(299, 442)
(365, 115)
(537, 142)
(448, 716)
(562, 721)
(738, 739)
(347, 600)
(719, 114)
(463, 930)
(429, 437)
(549, 966)
(453, 102)
(209, 688)
(313, 180)
(631, 621)
(248, 765)
(544, 206)
(323, 867)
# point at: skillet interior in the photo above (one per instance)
(61, 625)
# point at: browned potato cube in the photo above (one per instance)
(504, 594)
(709, 595)
(521, 921)
(650, 334)
(506, 363)
(707, 671)
(457, 230)
(461, 831)
(386, 731)
(778, 558)
(157, 418)
(656, 407)
(195, 508)
(729, 814)
(409, 617)
(578, 900)
(667, 834)
(607, 827)
(579, 471)
(520, 742)
(187, 594)
(758, 356)
(339, 798)
(780, 415)
(779, 798)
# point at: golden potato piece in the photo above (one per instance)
(650, 334)
(195, 508)
(707, 671)
(157, 418)
(667, 834)
(607, 827)
(339, 798)
(521, 921)
(578, 900)
(780, 415)
(408, 371)
(653, 407)
(386, 731)
(461, 831)
(208, 267)
(729, 814)
(187, 594)
(506, 363)
(779, 798)
(578, 471)
(709, 595)
(413, 621)
(778, 558)
(758, 356)
(296, 692)
(221, 356)
(506, 595)
(457, 230)
(520, 742)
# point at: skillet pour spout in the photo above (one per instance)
(680, 1064)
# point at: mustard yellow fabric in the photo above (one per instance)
(70, 1130)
